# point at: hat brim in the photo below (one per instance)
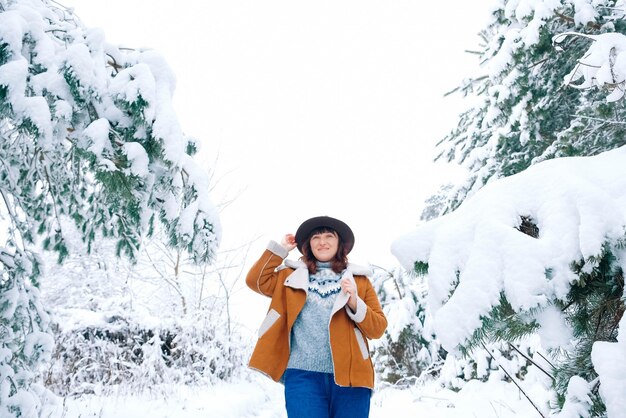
(345, 233)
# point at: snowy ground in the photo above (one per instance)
(257, 396)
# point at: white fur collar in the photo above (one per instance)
(352, 268)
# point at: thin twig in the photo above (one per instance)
(513, 380)
(539, 62)
(113, 63)
(564, 17)
(391, 276)
(571, 20)
(545, 359)
(595, 384)
(531, 360)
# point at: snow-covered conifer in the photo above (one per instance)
(88, 134)
(554, 74)
(537, 253)
(523, 111)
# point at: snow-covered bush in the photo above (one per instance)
(541, 252)
(120, 356)
(88, 135)
(129, 327)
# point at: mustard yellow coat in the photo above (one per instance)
(287, 285)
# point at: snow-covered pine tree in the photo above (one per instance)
(523, 113)
(556, 274)
(88, 133)
(529, 112)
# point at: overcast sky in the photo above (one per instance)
(310, 107)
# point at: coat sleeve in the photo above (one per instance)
(369, 316)
(262, 276)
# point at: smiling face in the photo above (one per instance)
(324, 245)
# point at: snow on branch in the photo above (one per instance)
(483, 251)
(603, 64)
(609, 360)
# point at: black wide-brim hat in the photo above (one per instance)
(343, 230)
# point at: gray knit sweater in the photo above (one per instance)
(310, 339)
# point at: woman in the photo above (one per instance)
(323, 309)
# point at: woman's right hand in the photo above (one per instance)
(288, 242)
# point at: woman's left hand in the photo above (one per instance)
(349, 287)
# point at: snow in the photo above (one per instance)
(12, 28)
(135, 83)
(62, 109)
(170, 206)
(186, 220)
(577, 400)
(403, 313)
(77, 318)
(476, 252)
(79, 62)
(36, 109)
(10, 299)
(554, 332)
(166, 124)
(532, 15)
(585, 12)
(511, 43)
(138, 158)
(578, 204)
(23, 400)
(258, 396)
(603, 65)
(609, 360)
(13, 74)
(38, 344)
(97, 137)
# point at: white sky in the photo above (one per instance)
(315, 108)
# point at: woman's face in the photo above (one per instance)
(324, 245)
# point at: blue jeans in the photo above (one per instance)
(316, 395)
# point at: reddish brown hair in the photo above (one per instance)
(338, 263)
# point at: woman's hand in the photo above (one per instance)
(349, 287)
(288, 242)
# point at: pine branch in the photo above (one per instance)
(50, 186)
(571, 20)
(11, 211)
(564, 17)
(472, 81)
(615, 122)
(391, 276)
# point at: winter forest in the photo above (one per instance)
(505, 298)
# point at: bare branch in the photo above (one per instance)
(513, 380)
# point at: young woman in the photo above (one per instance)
(323, 310)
